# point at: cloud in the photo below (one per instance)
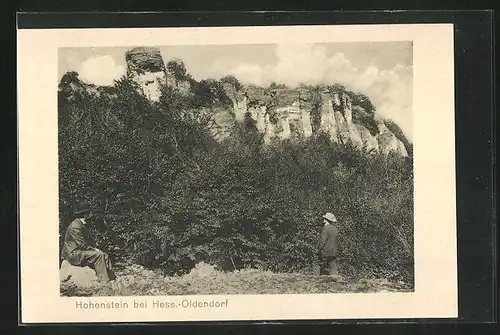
(389, 89)
(101, 70)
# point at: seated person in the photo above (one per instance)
(79, 253)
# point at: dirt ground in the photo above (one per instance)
(204, 279)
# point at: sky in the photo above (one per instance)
(381, 70)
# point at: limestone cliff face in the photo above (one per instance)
(337, 120)
(279, 113)
(289, 113)
(145, 66)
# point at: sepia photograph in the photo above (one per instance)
(236, 169)
(237, 173)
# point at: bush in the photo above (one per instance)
(170, 196)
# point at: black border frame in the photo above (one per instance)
(475, 132)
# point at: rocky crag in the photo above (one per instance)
(302, 112)
(279, 113)
(146, 67)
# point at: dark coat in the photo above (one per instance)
(328, 244)
(74, 240)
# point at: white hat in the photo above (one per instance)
(330, 217)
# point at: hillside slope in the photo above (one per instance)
(169, 194)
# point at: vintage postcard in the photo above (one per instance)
(242, 173)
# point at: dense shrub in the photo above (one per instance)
(170, 196)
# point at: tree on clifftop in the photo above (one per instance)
(229, 79)
(177, 68)
(277, 86)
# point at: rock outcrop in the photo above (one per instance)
(71, 85)
(279, 113)
(290, 113)
(77, 275)
(146, 67)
